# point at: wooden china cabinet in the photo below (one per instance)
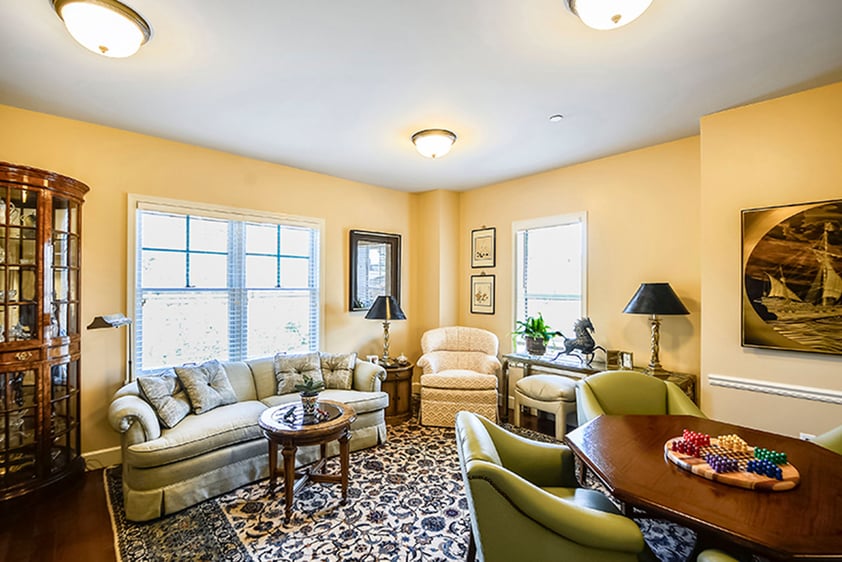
(40, 242)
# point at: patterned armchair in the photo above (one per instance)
(460, 369)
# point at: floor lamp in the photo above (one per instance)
(116, 321)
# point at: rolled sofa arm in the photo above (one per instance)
(126, 410)
(368, 376)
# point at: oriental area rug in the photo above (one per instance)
(406, 502)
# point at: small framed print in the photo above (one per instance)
(482, 294)
(627, 360)
(612, 359)
(483, 247)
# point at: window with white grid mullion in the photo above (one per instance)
(208, 287)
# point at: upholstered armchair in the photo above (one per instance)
(525, 504)
(630, 392)
(831, 440)
(459, 372)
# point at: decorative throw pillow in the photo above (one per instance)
(207, 385)
(165, 394)
(290, 369)
(338, 370)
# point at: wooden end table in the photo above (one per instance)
(398, 385)
(286, 426)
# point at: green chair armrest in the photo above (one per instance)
(587, 406)
(543, 464)
(679, 403)
(582, 525)
(831, 440)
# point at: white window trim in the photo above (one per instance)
(554, 220)
(151, 203)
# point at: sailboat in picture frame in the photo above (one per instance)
(792, 288)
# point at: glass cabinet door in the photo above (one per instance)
(65, 265)
(18, 426)
(18, 269)
(64, 403)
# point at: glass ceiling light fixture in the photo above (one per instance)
(105, 27)
(433, 143)
(608, 14)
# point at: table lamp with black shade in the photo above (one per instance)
(385, 308)
(655, 299)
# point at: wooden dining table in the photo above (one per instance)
(626, 453)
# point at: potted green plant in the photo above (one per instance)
(536, 333)
(309, 391)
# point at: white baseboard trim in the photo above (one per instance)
(102, 458)
(778, 389)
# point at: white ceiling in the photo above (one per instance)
(338, 86)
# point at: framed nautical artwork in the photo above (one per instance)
(791, 260)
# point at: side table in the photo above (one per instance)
(290, 431)
(398, 385)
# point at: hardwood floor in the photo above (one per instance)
(70, 522)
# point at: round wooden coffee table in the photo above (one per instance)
(286, 425)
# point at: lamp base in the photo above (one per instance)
(658, 372)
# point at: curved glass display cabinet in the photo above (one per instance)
(40, 242)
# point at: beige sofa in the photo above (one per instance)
(167, 470)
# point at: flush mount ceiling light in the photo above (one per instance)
(608, 14)
(433, 143)
(105, 27)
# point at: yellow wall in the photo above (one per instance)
(643, 226)
(114, 163)
(664, 213)
(435, 300)
(778, 152)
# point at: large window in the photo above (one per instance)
(226, 285)
(550, 276)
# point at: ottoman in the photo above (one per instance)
(552, 394)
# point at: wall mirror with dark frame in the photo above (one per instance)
(375, 267)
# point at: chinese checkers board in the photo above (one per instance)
(730, 460)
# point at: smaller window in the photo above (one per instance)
(550, 271)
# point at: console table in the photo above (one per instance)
(571, 367)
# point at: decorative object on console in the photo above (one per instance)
(536, 333)
(612, 359)
(433, 143)
(655, 299)
(482, 294)
(626, 360)
(608, 14)
(791, 277)
(385, 308)
(105, 27)
(583, 342)
(483, 247)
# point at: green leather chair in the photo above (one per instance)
(525, 503)
(630, 392)
(831, 440)
(714, 555)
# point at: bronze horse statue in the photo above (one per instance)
(583, 342)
